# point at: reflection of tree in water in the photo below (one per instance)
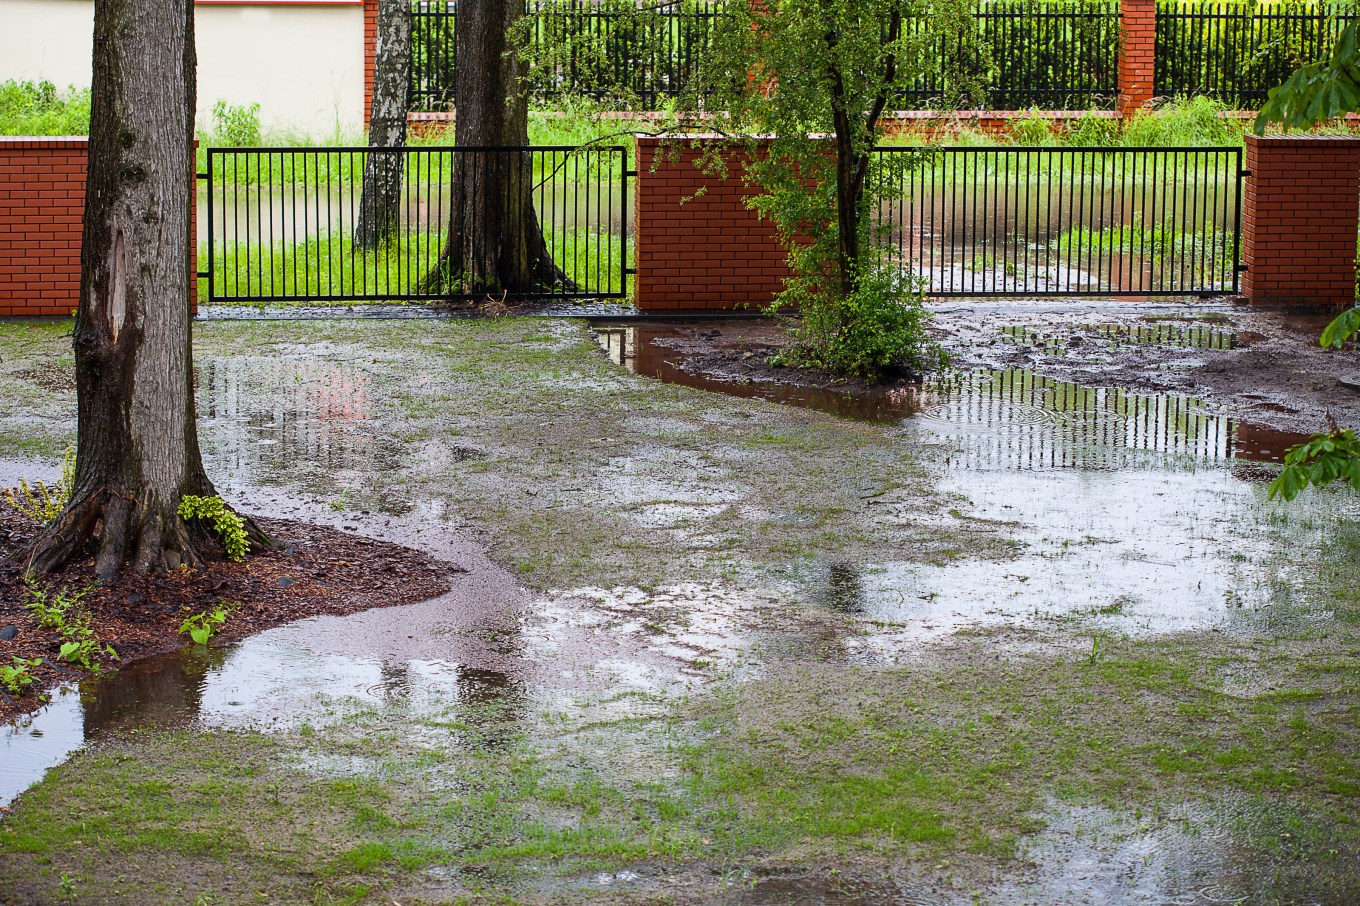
(275, 413)
(161, 692)
(490, 702)
(844, 588)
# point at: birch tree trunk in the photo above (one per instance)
(495, 243)
(380, 207)
(137, 452)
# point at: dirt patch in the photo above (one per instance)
(1263, 367)
(317, 570)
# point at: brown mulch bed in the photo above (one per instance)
(316, 571)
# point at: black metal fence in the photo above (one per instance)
(1053, 54)
(1236, 52)
(1014, 221)
(605, 49)
(282, 224)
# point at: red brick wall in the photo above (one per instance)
(42, 205)
(42, 202)
(1300, 211)
(370, 55)
(710, 251)
(1137, 54)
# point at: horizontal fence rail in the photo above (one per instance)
(1014, 221)
(1237, 52)
(295, 225)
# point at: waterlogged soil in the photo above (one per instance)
(1263, 367)
(1008, 637)
(314, 571)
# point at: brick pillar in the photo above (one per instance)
(370, 55)
(700, 250)
(1300, 211)
(1137, 54)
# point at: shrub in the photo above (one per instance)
(878, 326)
(1187, 122)
(235, 125)
(38, 108)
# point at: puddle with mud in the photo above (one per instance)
(1135, 513)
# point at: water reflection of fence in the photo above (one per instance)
(1031, 422)
(282, 413)
(281, 223)
(1063, 221)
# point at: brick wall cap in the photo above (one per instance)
(43, 142)
(1334, 140)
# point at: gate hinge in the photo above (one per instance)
(1245, 174)
(632, 173)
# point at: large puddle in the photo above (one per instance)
(1133, 513)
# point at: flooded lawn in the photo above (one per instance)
(1011, 636)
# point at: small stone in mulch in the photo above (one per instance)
(1351, 381)
(8, 632)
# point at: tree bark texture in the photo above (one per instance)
(380, 207)
(137, 451)
(495, 243)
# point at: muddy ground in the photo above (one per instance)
(1017, 640)
(1261, 366)
(312, 571)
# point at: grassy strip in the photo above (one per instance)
(333, 266)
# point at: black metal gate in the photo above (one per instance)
(281, 222)
(1015, 221)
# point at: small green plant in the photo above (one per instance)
(40, 502)
(18, 676)
(51, 609)
(61, 612)
(230, 528)
(236, 125)
(339, 503)
(204, 626)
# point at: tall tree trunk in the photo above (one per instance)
(137, 451)
(495, 242)
(381, 204)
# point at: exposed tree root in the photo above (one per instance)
(120, 533)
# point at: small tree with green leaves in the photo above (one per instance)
(814, 78)
(1317, 93)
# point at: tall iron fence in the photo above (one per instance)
(597, 48)
(1236, 52)
(287, 224)
(1014, 221)
(1053, 54)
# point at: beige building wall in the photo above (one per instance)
(302, 62)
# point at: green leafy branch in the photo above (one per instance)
(1323, 460)
(1319, 91)
(230, 528)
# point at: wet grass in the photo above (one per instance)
(331, 269)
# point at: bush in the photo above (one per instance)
(1188, 122)
(38, 108)
(235, 125)
(879, 326)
